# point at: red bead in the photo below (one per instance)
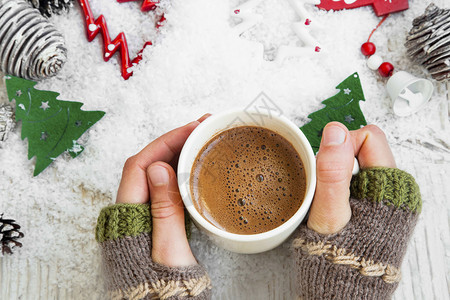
(386, 69)
(368, 48)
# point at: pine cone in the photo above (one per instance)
(6, 121)
(9, 234)
(48, 7)
(428, 42)
(30, 46)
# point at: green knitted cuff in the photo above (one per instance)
(121, 220)
(389, 186)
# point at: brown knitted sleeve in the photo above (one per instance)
(363, 260)
(124, 234)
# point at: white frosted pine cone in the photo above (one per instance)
(428, 42)
(30, 46)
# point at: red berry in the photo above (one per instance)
(368, 48)
(386, 69)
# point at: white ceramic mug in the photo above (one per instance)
(242, 243)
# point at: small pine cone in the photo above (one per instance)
(30, 46)
(9, 234)
(49, 7)
(6, 121)
(428, 42)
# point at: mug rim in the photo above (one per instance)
(184, 185)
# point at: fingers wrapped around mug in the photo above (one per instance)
(144, 246)
(359, 226)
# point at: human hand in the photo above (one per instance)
(150, 175)
(330, 209)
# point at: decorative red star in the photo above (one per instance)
(146, 5)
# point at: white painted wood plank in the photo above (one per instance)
(434, 241)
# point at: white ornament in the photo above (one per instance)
(301, 29)
(374, 62)
(245, 12)
(111, 47)
(92, 27)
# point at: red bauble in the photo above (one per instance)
(386, 69)
(368, 48)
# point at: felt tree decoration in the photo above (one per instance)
(302, 30)
(51, 126)
(342, 107)
(30, 46)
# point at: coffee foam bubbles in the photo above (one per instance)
(248, 180)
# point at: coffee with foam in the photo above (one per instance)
(247, 180)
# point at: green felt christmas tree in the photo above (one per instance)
(342, 107)
(51, 126)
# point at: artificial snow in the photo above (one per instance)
(197, 65)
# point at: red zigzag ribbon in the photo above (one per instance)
(110, 47)
(146, 5)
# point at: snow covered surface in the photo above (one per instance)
(196, 66)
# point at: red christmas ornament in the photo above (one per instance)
(368, 48)
(386, 69)
(381, 7)
(146, 5)
(110, 47)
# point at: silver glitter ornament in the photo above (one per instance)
(7, 122)
(428, 42)
(30, 46)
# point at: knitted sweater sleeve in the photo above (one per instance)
(124, 234)
(363, 260)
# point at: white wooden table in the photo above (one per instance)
(73, 271)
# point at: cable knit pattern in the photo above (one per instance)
(125, 219)
(390, 186)
(124, 233)
(121, 220)
(363, 260)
